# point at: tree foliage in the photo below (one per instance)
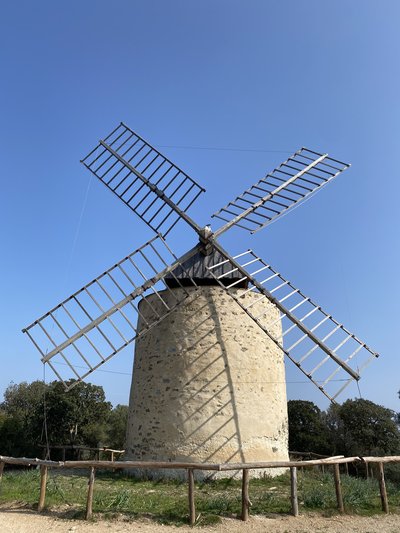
(117, 422)
(307, 428)
(358, 427)
(365, 428)
(76, 417)
(36, 413)
(18, 412)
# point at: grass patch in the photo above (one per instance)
(166, 501)
(360, 496)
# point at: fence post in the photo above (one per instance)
(245, 495)
(2, 464)
(338, 487)
(382, 489)
(192, 509)
(43, 483)
(89, 502)
(293, 491)
(112, 460)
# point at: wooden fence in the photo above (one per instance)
(191, 467)
(114, 454)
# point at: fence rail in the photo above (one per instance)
(79, 449)
(336, 461)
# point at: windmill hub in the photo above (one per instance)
(205, 238)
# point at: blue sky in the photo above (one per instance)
(262, 78)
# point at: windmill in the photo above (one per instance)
(211, 329)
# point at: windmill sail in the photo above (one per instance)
(95, 323)
(322, 348)
(158, 191)
(300, 176)
(91, 326)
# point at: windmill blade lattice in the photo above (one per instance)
(158, 191)
(300, 176)
(91, 326)
(322, 348)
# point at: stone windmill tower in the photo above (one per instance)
(211, 329)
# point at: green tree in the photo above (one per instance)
(117, 422)
(334, 425)
(32, 413)
(307, 428)
(20, 398)
(365, 428)
(78, 416)
(18, 411)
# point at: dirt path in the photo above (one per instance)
(20, 520)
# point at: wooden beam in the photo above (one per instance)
(192, 509)
(288, 464)
(382, 489)
(338, 488)
(245, 495)
(108, 464)
(197, 466)
(386, 459)
(112, 459)
(185, 465)
(293, 491)
(43, 484)
(2, 465)
(89, 501)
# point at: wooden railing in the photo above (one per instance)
(191, 467)
(79, 449)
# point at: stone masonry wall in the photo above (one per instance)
(208, 385)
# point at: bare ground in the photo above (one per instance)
(22, 520)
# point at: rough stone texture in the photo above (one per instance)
(208, 385)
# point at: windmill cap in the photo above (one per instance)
(196, 268)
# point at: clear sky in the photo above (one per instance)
(227, 89)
